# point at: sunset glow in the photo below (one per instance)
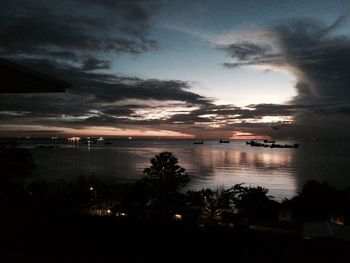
(169, 73)
(156, 130)
(248, 136)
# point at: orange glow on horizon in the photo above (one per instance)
(36, 131)
(237, 135)
(250, 137)
(115, 132)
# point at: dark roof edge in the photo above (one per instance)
(54, 84)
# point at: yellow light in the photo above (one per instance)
(121, 214)
(73, 139)
(178, 217)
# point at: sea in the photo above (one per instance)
(212, 164)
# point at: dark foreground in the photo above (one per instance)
(98, 239)
(53, 221)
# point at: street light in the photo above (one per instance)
(93, 192)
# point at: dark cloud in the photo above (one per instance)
(72, 39)
(94, 63)
(96, 99)
(318, 57)
(78, 31)
(103, 87)
(75, 40)
(246, 51)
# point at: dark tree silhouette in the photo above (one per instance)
(215, 202)
(135, 198)
(318, 201)
(16, 165)
(217, 206)
(165, 177)
(16, 162)
(255, 204)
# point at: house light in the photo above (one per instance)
(121, 214)
(177, 217)
(73, 139)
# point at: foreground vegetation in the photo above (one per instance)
(156, 207)
(158, 195)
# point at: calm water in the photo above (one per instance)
(211, 165)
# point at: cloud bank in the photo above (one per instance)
(75, 31)
(80, 41)
(319, 57)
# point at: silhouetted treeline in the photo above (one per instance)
(158, 196)
(16, 166)
(319, 201)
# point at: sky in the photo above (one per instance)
(187, 69)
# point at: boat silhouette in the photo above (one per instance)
(272, 145)
(198, 142)
(295, 145)
(224, 141)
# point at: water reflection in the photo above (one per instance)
(225, 167)
(283, 171)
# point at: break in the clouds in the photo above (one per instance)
(318, 56)
(101, 99)
(71, 39)
(86, 42)
(100, 91)
(310, 49)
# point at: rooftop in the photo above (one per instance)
(15, 78)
